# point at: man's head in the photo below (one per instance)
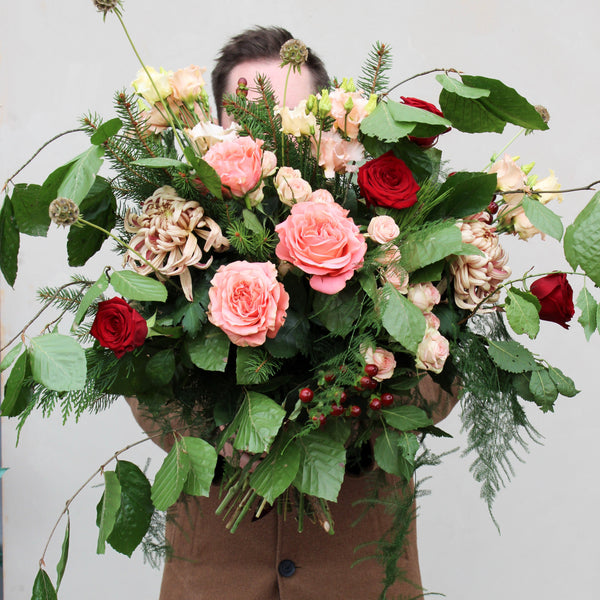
(256, 51)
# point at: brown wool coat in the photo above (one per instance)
(209, 563)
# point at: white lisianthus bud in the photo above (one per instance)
(152, 85)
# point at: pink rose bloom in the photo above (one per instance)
(187, 83)
(432, 351)
(432, 321)
(323, 196)
(396, 276)
(320, 239)
(269, 163)
(383, 229)
(337, 155)
(247, 302)
(424, 296)
(238, 163)
(383, 359)
(293, 190)
(348, 121)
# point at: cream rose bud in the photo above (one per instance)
(285, 173)
(294, 190)
(187, 83)
(383, 229)
(269, 163)
(432, 351)
(432, 321)
(424, 296)
(295, 121)
(146, 87)
(383, 359)
(551, 184)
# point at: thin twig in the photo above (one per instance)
(419, 75)
(539, 192)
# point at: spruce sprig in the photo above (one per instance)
(374, 77)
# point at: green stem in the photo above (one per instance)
(506, 146)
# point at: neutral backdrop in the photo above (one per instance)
(58, 60)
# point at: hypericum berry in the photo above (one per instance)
(322, 419)
(492, 207)
(343, 397)
(365, 382)
(329, 377)
(375, 404)
(306, 395)
(371, 370)
(337, 410)
(355, 411)
(387, 399)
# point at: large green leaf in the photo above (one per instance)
(522, 312)
(81, 174)
(107, 509)
(160, 162)
(291, 338)
(321, 469)
(430, 245)
(171, 477)
(543, 389)
(9, 242)
(589, 312)
(64, 554)
(402, 319)
(276, 472)
(58, 362)
(98, 207)
(207, 175)
(10, 357)
(427, 123)
(203, 460)
(543, 218)
(395, 453)
(338, 312)
(210, 350)
(160, 369)
(135, 511)
(459, 88)
(406, 417)
(469, 115)
(382, 125)
(582, 240)
(16, 395)
(42, 587)
(30, 207)
(511, 356)
(95, 290)
(106, 131)
(134, 286)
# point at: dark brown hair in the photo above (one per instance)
(259, 43)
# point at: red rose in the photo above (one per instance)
(119, 327)
(427, 142)
(556, 297)
(387, 181)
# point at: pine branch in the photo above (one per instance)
(374, 78)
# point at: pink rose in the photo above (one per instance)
(269, 163)
(424, 296)
(238, 163)
(383, 359)
(432, 351)
(383, 229)
(349, 109)
(337, 155)
(321, 196)
(293, 190)
(247, 302)
(187, 83)
(432, 321)
(320, 239)
(396, 276)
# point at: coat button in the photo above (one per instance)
(286, 567)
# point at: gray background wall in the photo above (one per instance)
(58, 60)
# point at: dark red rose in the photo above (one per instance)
(426, 142)
(387, 181)
(556, 297)
(119, 327)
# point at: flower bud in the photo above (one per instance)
(348, 85)
(527, 168)
(311, 104)
(371, 104)
(324, 104)
(63, 211)
(349, 104)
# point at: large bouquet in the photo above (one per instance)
(288, 284)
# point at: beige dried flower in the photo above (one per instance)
(543, 112)
(294, 52)
(476, 277)
(168, 234)
(105, 6)
(63, 211)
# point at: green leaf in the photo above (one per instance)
(256, 423)
(321, 469)
(98, 207)
(589, 312)
(160, 369)
(9, 242)
(107, 509)
(395, 453)
(511, 356)
(193, 319)
(506, 103)
(106, 131)
(564, 384)
(382, 125)
(582, 240)
(135, 512)
(276, 472)
(160, 162)
(30, 207)
(338, 312)
(469, 115)
(402, 319)
(428, 246)
(210, 350)
(406, 417)
(81, 174)
(522, 312)
(16, 396)
(42, 587)
(292, 337)
(207, 175)
(251, 221)
(428, 123)
(459, 88)
(203, 460)
(95, 290)
(58, 362)
(10, 357)
(64, 554)
(171, 477)
(544, 390)
(134, 286)
(543, 218)
(424, 165)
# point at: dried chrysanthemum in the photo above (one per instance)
(478, 277)
(294, 52)
(168, 234)
(63, 211)
(105, 6)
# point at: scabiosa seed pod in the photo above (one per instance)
(543, 112)
(105, 6)
(63, 211)
(294, 52)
